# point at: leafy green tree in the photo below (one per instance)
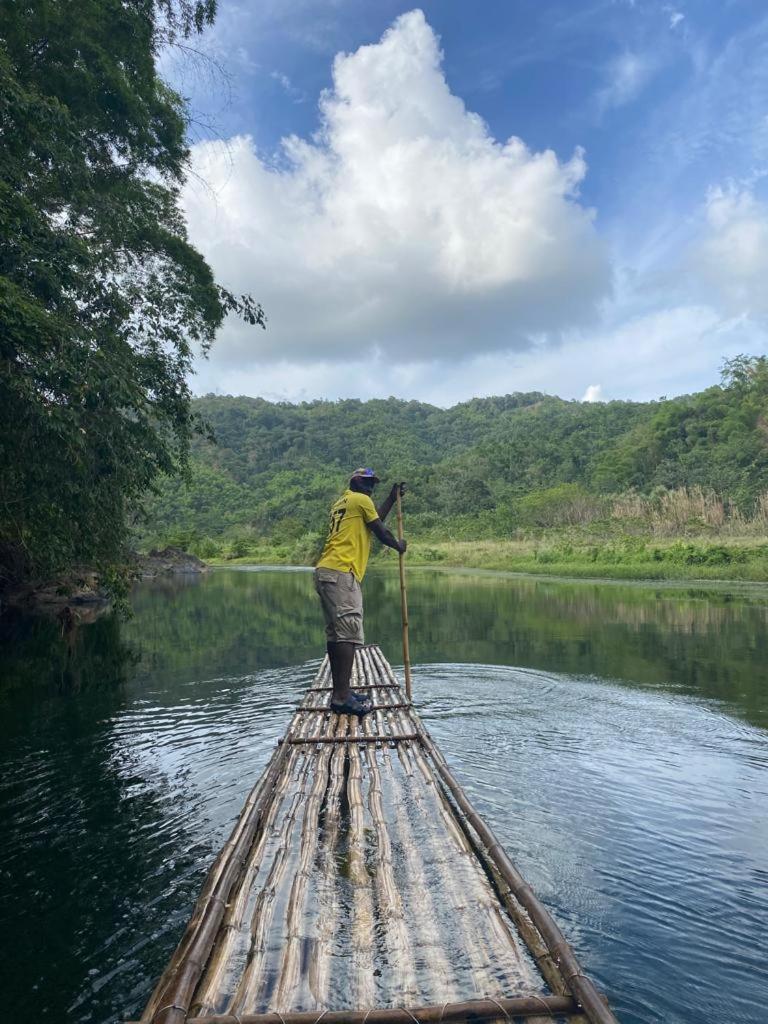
(103, 301)
(484, 468)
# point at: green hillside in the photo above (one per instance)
(487, 468)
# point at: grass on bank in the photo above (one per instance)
(739, 559)
(563, 531)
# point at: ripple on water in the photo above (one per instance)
(640, 817)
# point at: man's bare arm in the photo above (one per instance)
(386, 505)
(379, 530)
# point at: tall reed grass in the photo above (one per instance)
(690, 510)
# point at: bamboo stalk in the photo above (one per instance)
(464, 878)
(293, 778)
(176, 992)
(386, 668)
(206, 894)
(374, 721)
(173, 991)
(470, 1010)
(376, 707)
(441, 972)
(390, 905)
(404, 602)
(362, 902)
(329, 689)
(527, 930)
(208, 990)
(351, 740)
(290, 967)
(251, 984)
(319, 971)
(582, 987)
(210, 985)
(454, 889)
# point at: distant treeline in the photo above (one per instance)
(485, 468)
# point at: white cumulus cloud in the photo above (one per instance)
(402, 229)
(732, 255)
(664, 352)
(594, 393)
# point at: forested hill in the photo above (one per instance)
(485, 466)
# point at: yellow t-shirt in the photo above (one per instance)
(349, 540)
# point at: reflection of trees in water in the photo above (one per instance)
(43, 651)
(76, 794)
(712, 643)
(83, 827)
(233, 623)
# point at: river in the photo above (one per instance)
(615, 736)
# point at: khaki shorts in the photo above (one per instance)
(342, 601)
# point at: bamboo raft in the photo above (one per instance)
(360, 886)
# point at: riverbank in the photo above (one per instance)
(85, 587)
(630, 558)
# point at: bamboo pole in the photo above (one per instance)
(582, 987)
(290, 792)
(320, 966)
(457, 824)
(175, 992)
(214, 874)
(404, 603)
(422, 906)
(294, 917)
(220, 961)
(362, 895)
(473, 1009)
(458, 890)
(470, 850)
(379, 686)
(251, 983)
(390, 905)
(350, 740)
(491, 945)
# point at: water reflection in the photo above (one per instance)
(711, 643)
(614, 736)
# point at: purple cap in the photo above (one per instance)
(365, 473)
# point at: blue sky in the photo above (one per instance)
(448, 201)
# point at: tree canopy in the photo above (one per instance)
(481, 468)
(103, 300)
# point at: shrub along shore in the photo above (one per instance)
(632, 558)
(682, 534)
(674, 489)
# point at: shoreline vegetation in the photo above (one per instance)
(743, 559)
(664, 490)
(682, 534)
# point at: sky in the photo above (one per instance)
(455, 200)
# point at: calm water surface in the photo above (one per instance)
(616, 737)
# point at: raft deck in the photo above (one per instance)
(359, 886)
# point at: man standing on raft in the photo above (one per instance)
(339, 573)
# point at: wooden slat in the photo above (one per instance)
(375, 707)
(386, 738)
(354, 689)
(471, 1010)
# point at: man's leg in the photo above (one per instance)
(342, 604)
(341, 656)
